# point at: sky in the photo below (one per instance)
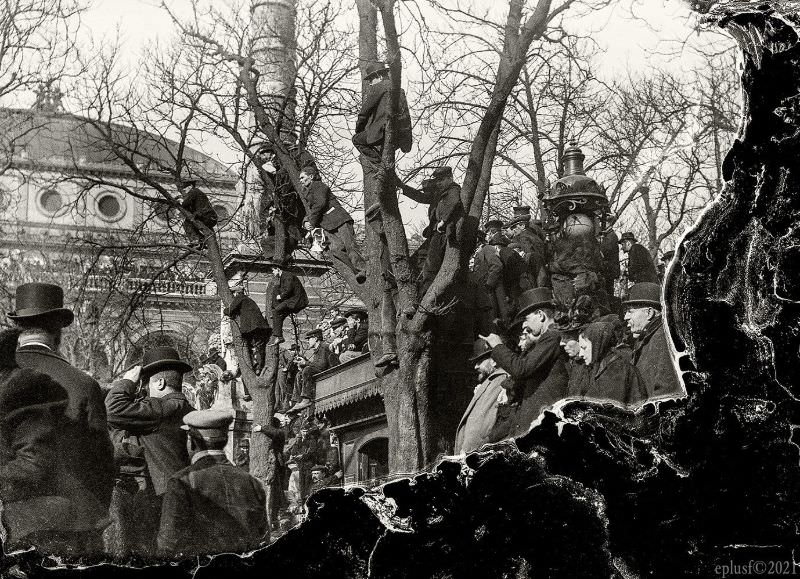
(631, 35)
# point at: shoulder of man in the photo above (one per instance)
(50, 362)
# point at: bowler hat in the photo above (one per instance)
(315, 333)
(533, 299)
(644, 294)
(480, 350)
(627, 236)
(163, 358)
(209, 424)
(494, 224)
(41, 301)
(358, 312)
(374, 69)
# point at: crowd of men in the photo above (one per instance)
(137, 469)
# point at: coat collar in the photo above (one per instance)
(41, 349)
(654, 325)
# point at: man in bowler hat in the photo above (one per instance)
(640, 263)
(651, 352)
(211, 506)
(155, 422)
(479, 418)
(539, 372)
(84, 443)
(374, 116)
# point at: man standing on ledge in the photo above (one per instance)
(211, 506)
(640, 264)
(84, 444)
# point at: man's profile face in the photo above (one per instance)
(534, 323)
(352, 321)
(626, 246)
(305, 179)
(484, 368)
(312, 342)
(638, 318)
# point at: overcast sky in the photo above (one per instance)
(653, 37)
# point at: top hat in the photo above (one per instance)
(644, 294)
(315, 333)
(441, 172)
(358, 312)
(208, 424)
(41, 301)
(480, 350)
(627, 236)
(494, 224)
(374, 69)
(535, 298)
(163, 358)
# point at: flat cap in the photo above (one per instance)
(209, 424)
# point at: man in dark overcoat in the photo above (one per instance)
(197, 204)
(324, 210)
(320, 361)
(609, 249)
(84, 442)
(211, 506)
(443, 197)
(539, 373)
(530, 238)
(357, 334)
(640, 264)
(253, 327)
(651, 353)
(155, 421)
(288, 297)
(374, 116)
(44, 504)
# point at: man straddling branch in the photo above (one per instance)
(323, 210)
(196, 202)
(443, 196)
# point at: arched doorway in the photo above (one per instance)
(373, 459)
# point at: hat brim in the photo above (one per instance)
(642, 303)
(161, 365)
(520, 317)
(64, 316)
(480, 357)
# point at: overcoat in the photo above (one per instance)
(250, 318)
(84, 441)
(323, 208)
(374, 116)
(478, 420)
(640, 265)
(212, 507)
(293, 294)
(651, 358)
(157, 422)
(539, 375)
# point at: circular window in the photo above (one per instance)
(222, 212)
(51, 201)
(110, 207)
